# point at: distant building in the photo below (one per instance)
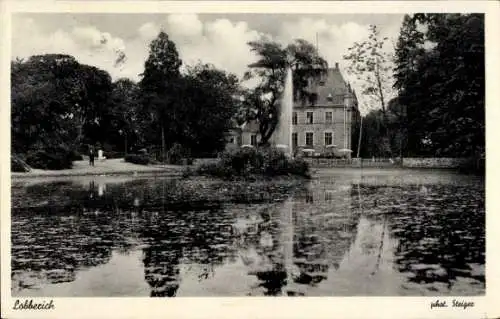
(233, 136)
(323, 119)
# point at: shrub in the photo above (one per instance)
(113, 154)
(243, 161)
(178, 155)
(216, 170)
(55, 159)
(299, 167)
(473, 165)
(18, 165)
(137, 159)
(250, 162)
(75, 156)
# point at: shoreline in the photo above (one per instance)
(118, 167)
(110, 167)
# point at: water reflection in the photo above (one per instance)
(195, 238)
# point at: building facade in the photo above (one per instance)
(323, 120)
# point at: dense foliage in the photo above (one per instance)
(178, 154)
(439, 74)
(384, 136)
(53, 159)
(193, 109)
(273, 60)
(48, 101)
(60, 105)
(140, 159)
(440, 78)
(18, 165)
(251, 162)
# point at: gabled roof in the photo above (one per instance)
(330, 89)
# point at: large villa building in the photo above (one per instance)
(322, 123)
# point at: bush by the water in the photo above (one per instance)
(55, 159)
(250, 162)
(18, 165)
(138, 159)
(474, 165)
(113, 154)
(76, 156)
(178, 155)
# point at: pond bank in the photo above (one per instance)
(106, 167)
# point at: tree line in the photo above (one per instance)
(61, 107)
(439, 107)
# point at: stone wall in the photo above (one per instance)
(335, 162)
(445, 162)
(435, 162)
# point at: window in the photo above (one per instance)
(253, 139)
(295, 139)
(328, 117)
(313, 98)
(309, 138)
(294, 118)
(309, 198)
(328, 195)
(328, 138)
(310, 118)
(231, 140)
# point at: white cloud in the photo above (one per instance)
(87, 44)
(221, 42)
(184, 26)
(148, 31)
(333, 41)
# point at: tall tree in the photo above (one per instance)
(409, 58)
(159, 87)
(56, 101)
(126, 127)
(440, 79)
(370, 63)
(262, 103)
(209, 103)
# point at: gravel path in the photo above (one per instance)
(102, 167)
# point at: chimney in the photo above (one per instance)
(336, 65)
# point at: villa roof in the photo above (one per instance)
(330, 88)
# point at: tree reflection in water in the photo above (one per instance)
(260, 252)
(289, 249)
(199, 229)
(188, 237)
(440, 232)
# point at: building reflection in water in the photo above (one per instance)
(292, 246)
(332, 239)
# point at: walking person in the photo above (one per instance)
(91, 156)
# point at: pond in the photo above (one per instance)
(344, 233)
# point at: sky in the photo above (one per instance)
(219, 39)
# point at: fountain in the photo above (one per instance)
(282, 137)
